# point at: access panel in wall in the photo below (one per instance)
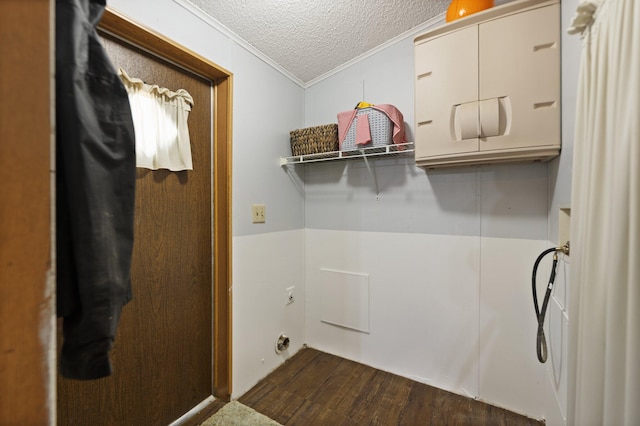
(488, 87)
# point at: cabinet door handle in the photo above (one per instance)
(544, 46)
(539, 105)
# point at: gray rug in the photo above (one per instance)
(236, 414)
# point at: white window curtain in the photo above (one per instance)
(160, 121)
(605, 229)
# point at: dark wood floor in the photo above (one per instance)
(315, 388)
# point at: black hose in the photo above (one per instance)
(541, 342)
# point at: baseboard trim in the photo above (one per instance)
(189, 416)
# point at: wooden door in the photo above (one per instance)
(162, 357)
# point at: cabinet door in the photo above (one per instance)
(520, 65)
(446, 79)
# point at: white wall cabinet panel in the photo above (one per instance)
(525, 69)
(488, 87)
(437, 70)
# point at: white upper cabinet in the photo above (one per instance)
(488, 87)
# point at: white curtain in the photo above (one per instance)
(605, 229)
(160, 121)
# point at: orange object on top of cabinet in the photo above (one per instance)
(461, 8)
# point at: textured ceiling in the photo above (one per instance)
(308, 38)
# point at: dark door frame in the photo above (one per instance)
(132, 32)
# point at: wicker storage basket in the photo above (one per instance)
(314, 140)
(380, 126)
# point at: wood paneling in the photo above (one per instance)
(26, 307)
(315, 388)
(124, 28)
(164, 360)
(163, 351)
(147, 39)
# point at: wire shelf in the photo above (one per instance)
(396, 150)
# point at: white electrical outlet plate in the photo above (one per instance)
(290, 297)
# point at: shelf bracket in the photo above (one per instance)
(371, 173)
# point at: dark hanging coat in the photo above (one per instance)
(95, 188)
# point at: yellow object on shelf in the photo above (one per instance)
(461, 8)
(364, 105)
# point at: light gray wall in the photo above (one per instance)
(561, 168)
(495, 201)
(507, 201)
(266, 107)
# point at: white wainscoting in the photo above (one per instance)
(452, 311)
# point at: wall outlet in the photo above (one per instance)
(290, 297)
(258, 213)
